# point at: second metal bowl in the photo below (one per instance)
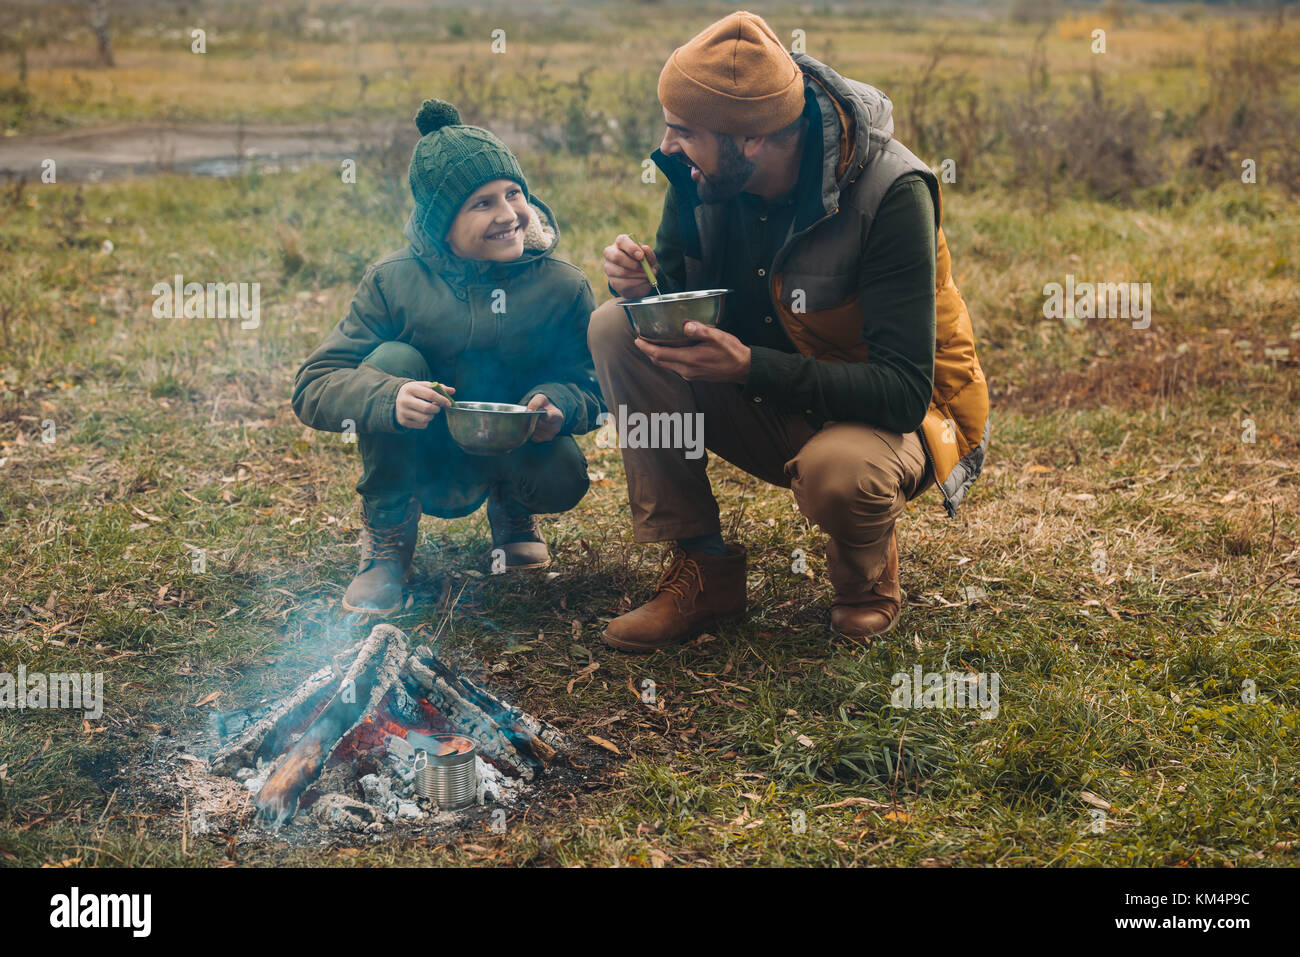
(491, 428)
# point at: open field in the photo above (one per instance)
(1127, 562)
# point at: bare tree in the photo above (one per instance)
(99, 24)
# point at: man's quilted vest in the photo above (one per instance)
(822, 262)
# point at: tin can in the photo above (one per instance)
(448, 776)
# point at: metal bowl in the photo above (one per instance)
(491, 428)
(662, 319)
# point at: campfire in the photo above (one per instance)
(384, 732)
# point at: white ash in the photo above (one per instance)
(339, 810)
(404, 771)
(406, 810)
(494, 786)
(378, 790)
(256, 777)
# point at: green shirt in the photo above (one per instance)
(892, 389)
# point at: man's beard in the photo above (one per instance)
(734, 170)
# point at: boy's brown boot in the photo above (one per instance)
(515, 532)
(861, 614)
(386, 553)
(695, 590)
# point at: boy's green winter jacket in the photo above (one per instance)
(497, 332)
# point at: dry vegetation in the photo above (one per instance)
(1126, 563)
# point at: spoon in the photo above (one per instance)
(438, 388)
(649, 273)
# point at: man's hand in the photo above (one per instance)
(717, 357)
(417, 404)
(623, 267)
(549, 427)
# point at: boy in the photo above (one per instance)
(478, 302)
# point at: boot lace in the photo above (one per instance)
(520, 523)
(386, 544)
(680, 576)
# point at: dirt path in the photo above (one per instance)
(109, 152)
(207, 149)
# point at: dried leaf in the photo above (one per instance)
(850, 802)
(607, 745)
(587, 670)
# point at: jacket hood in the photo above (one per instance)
(541, 237)
(856, 121)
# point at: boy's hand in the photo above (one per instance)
(417, 404)
(623, 267)
(549, 427)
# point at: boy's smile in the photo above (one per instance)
(504, 236)
(491, 223)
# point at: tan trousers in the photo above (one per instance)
(849, 478)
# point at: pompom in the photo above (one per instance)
(434, 115)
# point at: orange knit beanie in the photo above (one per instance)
(734, 77)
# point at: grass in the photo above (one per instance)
(1126, 563)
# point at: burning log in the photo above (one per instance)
(469, 719)
(363, 685)
(266, 738)
(521, 733)
(542, 739)
(376, 680)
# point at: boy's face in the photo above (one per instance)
(491, 223)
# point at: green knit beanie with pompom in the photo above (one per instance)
(449, 163)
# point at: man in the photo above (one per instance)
(844, 364)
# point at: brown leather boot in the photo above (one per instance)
(695, 590)
(862, 614)
(386, 553)
(515, 532)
